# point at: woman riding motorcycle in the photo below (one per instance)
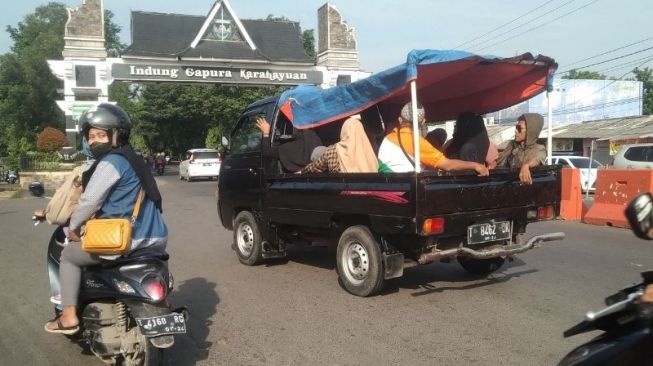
(111, 186)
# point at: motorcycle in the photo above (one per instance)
(160, 167)
(11, 176)
(124, 314)
(626, 321)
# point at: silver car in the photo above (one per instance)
(635, 156)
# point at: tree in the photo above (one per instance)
(50, 140)
(575, 74)
(645, 75)
(28, 90)
(112, 35)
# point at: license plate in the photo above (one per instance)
(207, 164)
(159, 325)
(495, 231)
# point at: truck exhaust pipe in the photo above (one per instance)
(505, 250)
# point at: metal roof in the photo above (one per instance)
(606, 129)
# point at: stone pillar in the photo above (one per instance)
(337, 48)
(84, 68)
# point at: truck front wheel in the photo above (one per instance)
(359, 261)
(247, 238)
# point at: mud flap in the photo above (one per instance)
(144, 310)
(393, 265)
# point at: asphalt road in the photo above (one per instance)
(294, 312)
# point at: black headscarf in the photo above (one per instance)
(138, 164)
(295, 155)
(470, 140)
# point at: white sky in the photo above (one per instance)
(387, 30)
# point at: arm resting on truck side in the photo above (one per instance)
(455, 164)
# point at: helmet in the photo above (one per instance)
(107, 117)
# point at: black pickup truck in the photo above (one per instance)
(380, 223)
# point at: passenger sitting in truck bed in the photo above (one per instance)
(293, 155)
(524, 152)
(470, 141)
(396, 151)
(352, 154)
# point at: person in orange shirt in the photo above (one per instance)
(396, 153)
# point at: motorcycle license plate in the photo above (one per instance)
(173, 323)
(494, 231)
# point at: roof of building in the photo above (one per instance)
(606, 129)
(160, 35)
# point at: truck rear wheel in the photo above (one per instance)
(247, 238)
(481, 266)
(359, 261)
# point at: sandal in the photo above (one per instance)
(60, 328)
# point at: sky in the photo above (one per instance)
(570, 31)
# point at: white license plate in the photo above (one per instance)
(492, 231)
(159, 325)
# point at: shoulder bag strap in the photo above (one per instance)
(402, 147)
(137, 206)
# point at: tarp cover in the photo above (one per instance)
(448, 83)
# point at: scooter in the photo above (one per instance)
(124, 314)
(11, 176)
(160, 167)
(626, 322)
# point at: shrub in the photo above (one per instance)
(51, 139)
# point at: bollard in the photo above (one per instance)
(614, 190)
(571, 204)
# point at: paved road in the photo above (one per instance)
(294, 312)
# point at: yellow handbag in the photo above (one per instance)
(110, 236)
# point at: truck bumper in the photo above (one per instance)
(493, 252)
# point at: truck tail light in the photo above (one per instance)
(541, 213)
(433, 225)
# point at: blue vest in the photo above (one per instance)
(149, 230)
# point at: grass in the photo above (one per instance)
(18, 194)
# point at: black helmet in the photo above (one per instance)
(107, 117)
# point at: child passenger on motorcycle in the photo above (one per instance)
(111, 186)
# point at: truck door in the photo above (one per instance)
(241, 174)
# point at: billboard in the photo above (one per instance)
(579, 100)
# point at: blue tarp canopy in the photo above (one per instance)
(448, 83)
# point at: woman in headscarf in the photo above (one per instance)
(352, 154)
(293, 155)
(470, 141)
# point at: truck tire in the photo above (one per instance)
(359, 261)
(481, 266)
(247, 239)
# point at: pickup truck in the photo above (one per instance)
(379, 223)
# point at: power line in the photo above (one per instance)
(540, 26)
(648, 57)
(504, 24)
(606, 61)
(608, 52)
(522, 25)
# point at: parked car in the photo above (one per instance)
(200, 163)
(587, 173)
(635, 156)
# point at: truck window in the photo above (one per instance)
(247, 137)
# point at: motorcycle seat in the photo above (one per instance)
(136, 256)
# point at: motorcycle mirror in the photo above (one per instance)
(36, 189)
(639, 213)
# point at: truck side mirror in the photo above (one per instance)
(639, 214)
